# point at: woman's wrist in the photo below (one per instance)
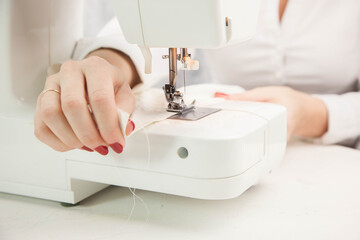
(121, 61)
(315, 119)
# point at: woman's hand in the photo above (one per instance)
(307, 116)
(63, 119)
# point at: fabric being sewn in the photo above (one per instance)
(151, 104)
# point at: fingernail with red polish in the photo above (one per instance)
(133, 124)
(222, 94)
(87, 149)
(117, 147)
(102, 150)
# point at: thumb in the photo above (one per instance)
(125, 99)
(125, 102)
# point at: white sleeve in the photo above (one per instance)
(111, 36)
(344, 119)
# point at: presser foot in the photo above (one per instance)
(177, 107)
(189, 112)
(193, 113)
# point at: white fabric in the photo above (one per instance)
(151, 104)
(315, 49)
(123, 120)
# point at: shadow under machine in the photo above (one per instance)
(212, 153)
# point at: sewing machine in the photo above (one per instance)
(218, 154)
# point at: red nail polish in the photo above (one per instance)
(222, 94)
(87, 149)
(103, 150)
(133, 124)
(117, 147)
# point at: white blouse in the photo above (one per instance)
(315, 49)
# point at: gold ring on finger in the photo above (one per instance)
(49, 90)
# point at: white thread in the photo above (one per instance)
(133, 191)
(123, 119)
(148, 144)
(134, 204)
(134, 195)
(143, 202)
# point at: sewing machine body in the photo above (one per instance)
(203, 24)
(217, 157)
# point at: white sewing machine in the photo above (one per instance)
(216, 157)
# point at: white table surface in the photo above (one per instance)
(313, 194)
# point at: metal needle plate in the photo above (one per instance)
(195, 114)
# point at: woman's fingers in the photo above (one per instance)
(125, 100)
(52, 115)
(130, 127)
(221, 95)
(263, 94)
(246, 96)
(100, 79)
(75, 107)
(63, 118)
(45, 135)
(237, 97)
